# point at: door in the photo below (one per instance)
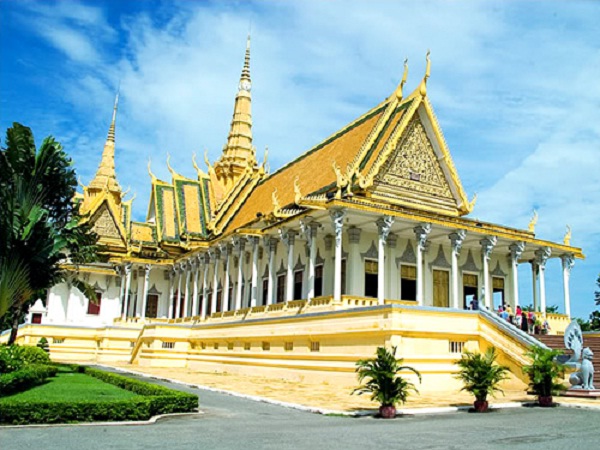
(152, 306)
(371, 282)
(441, 288)
(470, 289)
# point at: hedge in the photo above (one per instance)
(153, 400)
(15, 357)
(25, 378)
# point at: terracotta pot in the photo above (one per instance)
(480, 405)
(545, 400)
(387, 412)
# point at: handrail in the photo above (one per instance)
(518, 334)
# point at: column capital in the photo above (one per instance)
(337, 216)
(384, 226)
(541, 256)
(127, 267)
(456, 239)
(287, 236)
(193, 263)
(214, 254)
(147, 269)
(225, 248)
(309, 229)
(354, 234)
(516, 250)
(568, 261)
(487, 245)
(239, 242)
(172, 274)
(421, 233)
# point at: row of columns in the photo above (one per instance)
(199, 266)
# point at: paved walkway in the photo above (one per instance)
(322, 395)
(234, 423)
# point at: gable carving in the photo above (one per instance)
(414, 164)
(104, 224)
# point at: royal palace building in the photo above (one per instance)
(363, 240)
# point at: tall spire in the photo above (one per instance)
(105, 178)
(238, 152)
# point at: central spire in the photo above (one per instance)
(238, 152)
(106, 178)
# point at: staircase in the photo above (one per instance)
(558, 342)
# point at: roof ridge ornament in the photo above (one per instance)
(199, 171)
(533, 221)
(152, 176)
(423, 86)
(567, 238)
(400, 89)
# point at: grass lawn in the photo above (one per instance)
(71, 386)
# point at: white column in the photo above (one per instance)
(392, 280)
(181, 273)
(272, 245)
(186, 300)
(254, 288)
(384, 226)
(226, 249)
(128, 268)
(354, 266)
(534, 277)
(337, 216)
(172, 275)
(147, 269)
(204, 258)
(456, 239)
(121, 272)
(568, 261)
(421, 232)
(196, 275)
(214, 259)
(516, 250)
(288, 237)
(310, 232)
(239, 243)
(541, 255)
(487, 245)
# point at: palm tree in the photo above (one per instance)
(481, 376)
(40, 222)
(384, 383)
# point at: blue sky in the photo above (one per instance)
(514, 84)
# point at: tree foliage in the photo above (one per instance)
(384, 383)
(40, 224)
(544, 371)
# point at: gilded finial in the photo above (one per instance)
(297, 192)
(400, 90)
(199, 171)
(567, 238)
(472, 202)
(423, 87)
(533, 221)
(245, 81)
(152, 176)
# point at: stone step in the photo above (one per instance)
(557, 342)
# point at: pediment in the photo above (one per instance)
(105, 225)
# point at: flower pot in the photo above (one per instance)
(545, 401)
(387, 412)
(480, 405)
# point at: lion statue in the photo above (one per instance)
(584, 378)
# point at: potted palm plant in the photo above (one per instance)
(544, 373)
(383, 381)
(481, 376)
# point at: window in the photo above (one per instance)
(266, 346)
(94, 306)
(58, 340)
(456, 347)
(152, 306)
(319, 281)
(265, 290)
(168, 345)
(408, 282)
(371, 282)
(315, 346)
(288, 346)
(298, 284)
(498, 291)
(343, 277)
(36, 318)
(280, 288)
(219, 295)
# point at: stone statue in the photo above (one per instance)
(584, 377)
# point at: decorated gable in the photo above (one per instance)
(105, 225)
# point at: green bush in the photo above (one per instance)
(152, 400)
(25, 378)
(43, 344)
(14, 357)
